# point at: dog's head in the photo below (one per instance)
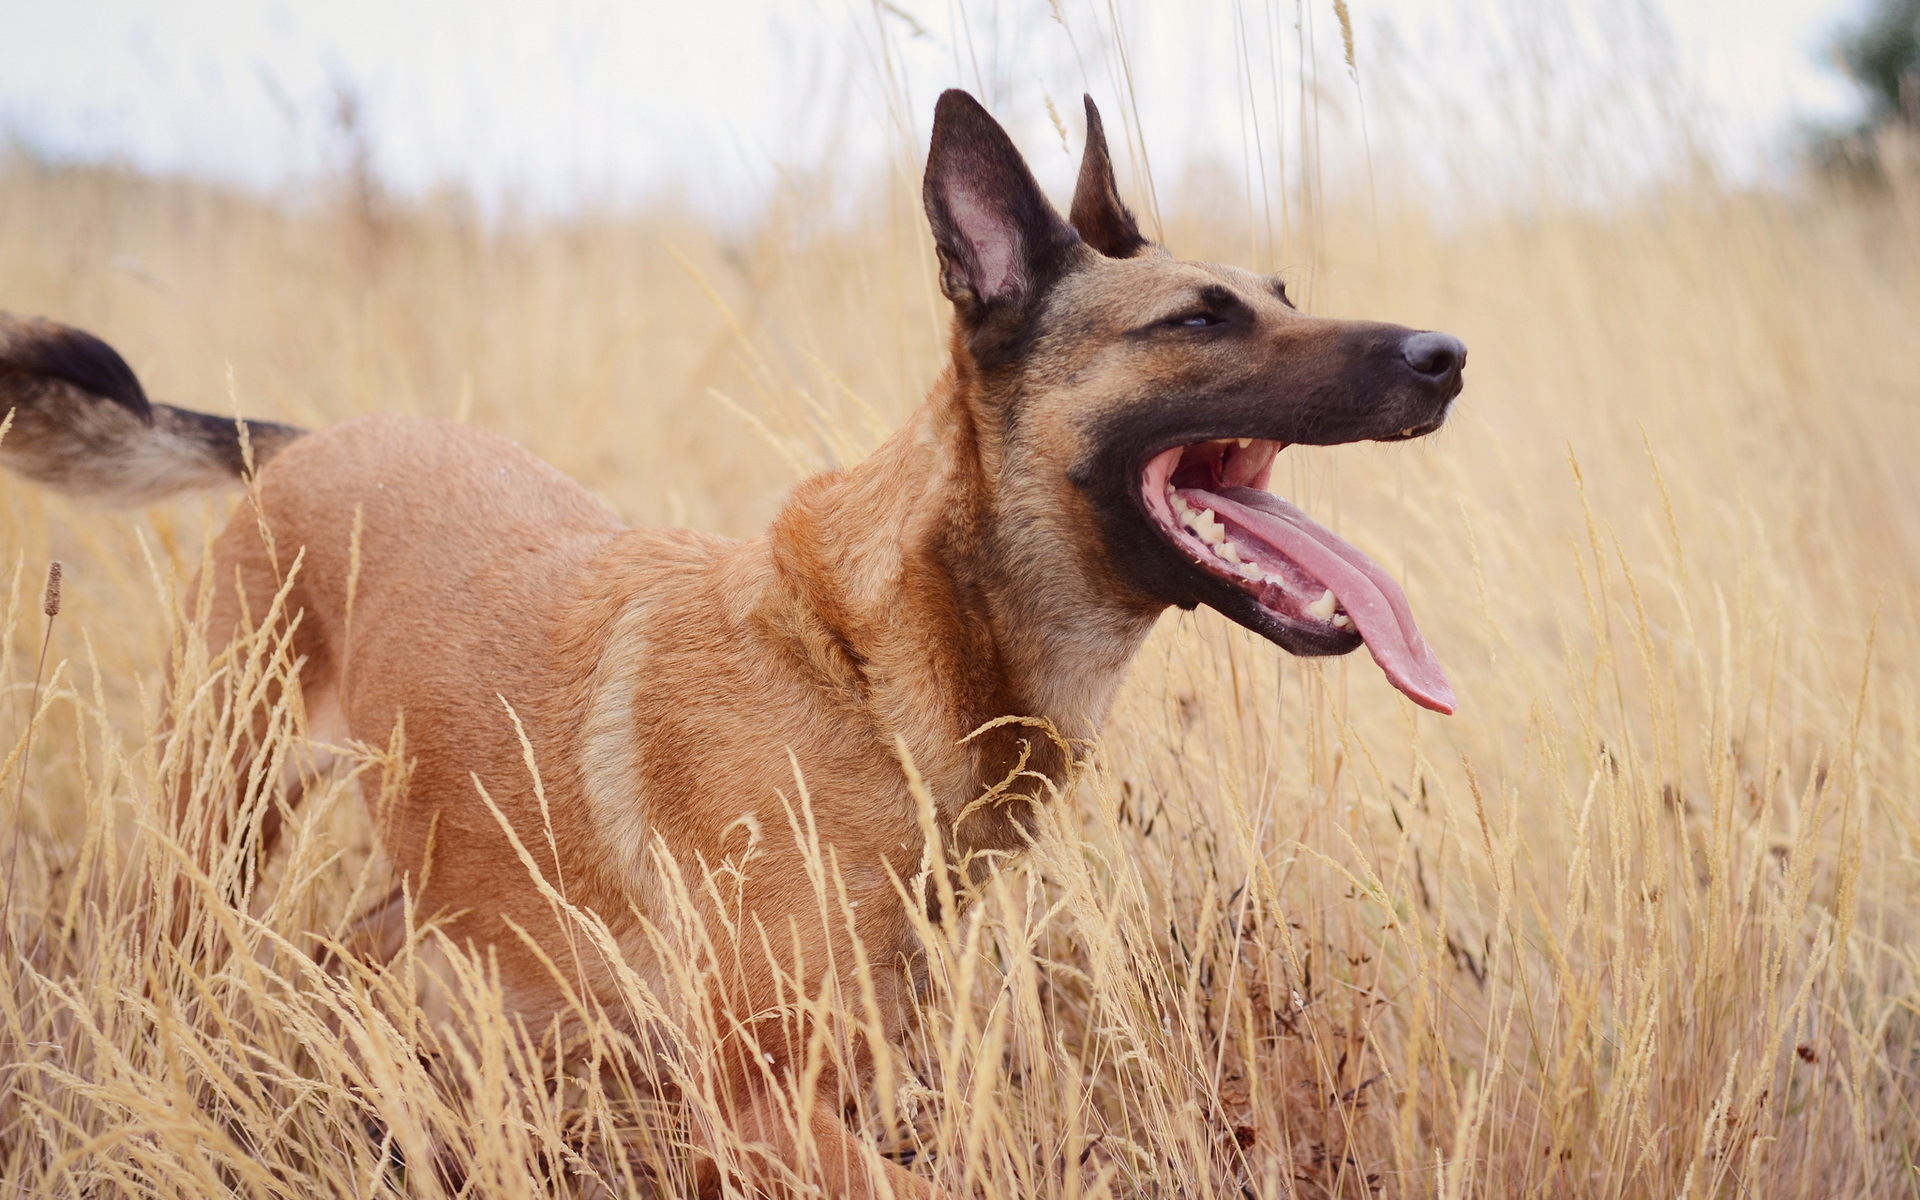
(1135, 401)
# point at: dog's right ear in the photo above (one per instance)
(1103, 221)
(1001, 244)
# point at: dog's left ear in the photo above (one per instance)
(1001, 244)
(1103, 221)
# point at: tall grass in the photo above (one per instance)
(1638, 922)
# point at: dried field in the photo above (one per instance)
(1639, 921)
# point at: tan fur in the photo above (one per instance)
(670, 682)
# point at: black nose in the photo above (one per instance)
(1435, 355)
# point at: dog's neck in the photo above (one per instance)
(901, 588)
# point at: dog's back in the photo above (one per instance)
(437, 589)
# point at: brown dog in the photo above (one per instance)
(1094, 452)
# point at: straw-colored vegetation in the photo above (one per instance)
(1639, 921)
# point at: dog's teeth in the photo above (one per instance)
(1340, 621)
(1323, 607)
(1251, 571)
(1228, 551)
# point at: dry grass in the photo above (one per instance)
(1637, 922)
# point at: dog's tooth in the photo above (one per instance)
(1228, 551)
(1323, 607)
(1251, 571)
(1340, 621)
(1244, 442)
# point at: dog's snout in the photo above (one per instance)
(1435, 355)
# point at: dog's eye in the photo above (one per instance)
(1199, 320)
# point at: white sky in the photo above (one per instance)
(559, 102)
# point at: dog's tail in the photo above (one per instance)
(80, 422)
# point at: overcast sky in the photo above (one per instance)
(567, 101)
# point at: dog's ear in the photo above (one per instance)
(1103, 221)
(1001, 244)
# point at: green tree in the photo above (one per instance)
(1882, 56)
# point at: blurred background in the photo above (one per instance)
(583, 103)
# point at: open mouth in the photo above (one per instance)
(1210, 500)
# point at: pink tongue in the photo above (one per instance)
(1370, 596)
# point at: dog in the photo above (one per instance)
(1095, 451)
